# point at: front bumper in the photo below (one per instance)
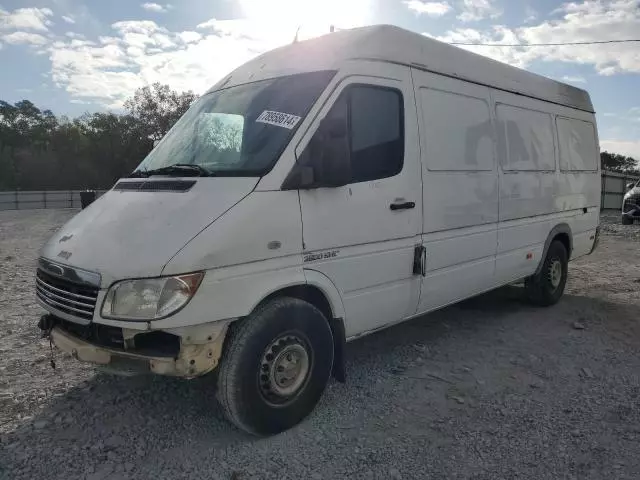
(192, 360)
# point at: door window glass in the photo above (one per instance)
(375, 120)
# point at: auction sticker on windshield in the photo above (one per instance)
(279, 119)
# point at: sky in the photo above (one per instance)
(73, 56)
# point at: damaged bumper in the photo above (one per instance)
(198, 352)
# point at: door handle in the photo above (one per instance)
(402, 206)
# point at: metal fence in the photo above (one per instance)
(614, 186)
(29, 200)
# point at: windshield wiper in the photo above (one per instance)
(178, 169)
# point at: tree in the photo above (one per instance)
(40, 151)
(157, 108)
(116, 143)
(618, 163)
(25, 133)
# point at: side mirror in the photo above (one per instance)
(630, 186)
(325, 162)
(332, 163)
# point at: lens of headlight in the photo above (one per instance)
(146, 299)
(176, 292)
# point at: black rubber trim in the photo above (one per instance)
(155, 185)
(339, 371)
(560, 228)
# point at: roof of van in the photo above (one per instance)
(393, 44)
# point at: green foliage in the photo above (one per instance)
(158, 108)
(615, 162)
(41, 151)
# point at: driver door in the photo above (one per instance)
(363, 235)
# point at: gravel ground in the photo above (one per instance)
(491, 388)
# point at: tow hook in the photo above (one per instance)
(46, 324)
(596, 241)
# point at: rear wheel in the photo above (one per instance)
(547, 286)
(275, 366)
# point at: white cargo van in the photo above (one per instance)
(320, 192)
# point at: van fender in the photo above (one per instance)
(328, 288)
(325, 285)
(560, 228)
(270, 289)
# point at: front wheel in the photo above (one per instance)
(547, 286)
(275, 366)
(627, 220)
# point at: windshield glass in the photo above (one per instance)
(238, 131)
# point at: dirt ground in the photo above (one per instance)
(489, 389)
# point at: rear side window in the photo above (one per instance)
(458, 132)
(578, 151)
(529, 139)
(375, 122)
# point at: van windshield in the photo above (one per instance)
(237, 131)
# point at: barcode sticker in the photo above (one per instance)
(279, 119)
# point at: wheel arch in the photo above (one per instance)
(561, 232)
(315, 288)
(319, 291)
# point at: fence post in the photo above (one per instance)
(44, 198)
(15, 200)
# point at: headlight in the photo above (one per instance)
(150, 298)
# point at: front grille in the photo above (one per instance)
(631, 202)
(66, 296)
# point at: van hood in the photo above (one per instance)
(134, 233)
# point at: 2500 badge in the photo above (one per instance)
(312, 257)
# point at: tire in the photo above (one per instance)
(627, 220)
(547, 286)
(265, 386)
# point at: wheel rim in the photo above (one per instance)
(284, 369)
(555, 273)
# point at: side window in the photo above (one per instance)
(374, 118)
(578, 150)
(529, 139)
(376, 132)
(459, 134)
